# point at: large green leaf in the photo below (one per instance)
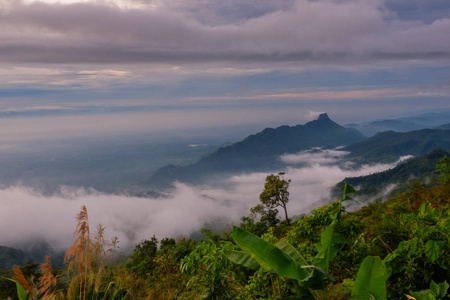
(317, 279)
(326, 249)
(244, 259)
(439, 289)
(370, 281)
(268, 256)
(21, 291)
(434, 249)
(292, 252)
(423, 295)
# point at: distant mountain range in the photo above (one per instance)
(430, 120)
(388, 146)
(372, 128)
(260, 152)
(444, 127)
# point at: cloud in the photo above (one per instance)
(59, 77)
(313, 115)
(28, 215)
(34, 108)
(314, 157)
(352, 94)
(301, 30)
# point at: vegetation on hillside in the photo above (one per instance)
(388, 146)
(398, 249)
(403, 177)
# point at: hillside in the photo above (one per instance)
(443, 127)
(404, 241)
(260, 152)
(418, 167)
(387, 147)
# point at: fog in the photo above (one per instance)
(28, 215)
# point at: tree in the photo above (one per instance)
(268, 215)
(444, 169)
(276, 193)
(142, 259)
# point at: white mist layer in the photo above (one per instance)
(27, 215)
(322, 157)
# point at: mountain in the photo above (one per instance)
(372, 128)
(443, 127)
(417, 122)
(10, 256)
(387, 147)
(419, 167)
(430, 120)
(260, 152)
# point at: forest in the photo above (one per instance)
(395, 249)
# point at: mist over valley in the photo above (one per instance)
(48, 185)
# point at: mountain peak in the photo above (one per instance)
(323, 117)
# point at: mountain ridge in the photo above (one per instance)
(388, 146)
(396, 177)
(260, 152)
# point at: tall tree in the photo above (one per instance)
(276, 193)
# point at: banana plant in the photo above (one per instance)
(21, 291)
(370, 282)
(287, 262)
(437, 291)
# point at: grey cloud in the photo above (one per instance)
(315, 157)
(215, 13)
(309, 31)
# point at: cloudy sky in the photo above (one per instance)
(137, 64)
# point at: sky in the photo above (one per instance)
(71, 67)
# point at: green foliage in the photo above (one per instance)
(327, 249)
(142, 259)
(370, 282)
(209, 269)
(275, 193)
(257, 228)
(111, 293)
(268, 215)
(444, 170)
(21, 291)
(436, 292)
(416, 261)
(287, 262)
(400, 176)
(167, 243)
(386, 147)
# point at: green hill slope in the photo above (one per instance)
(419, 167)
(387, 147)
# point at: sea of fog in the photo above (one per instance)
(29, 215)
